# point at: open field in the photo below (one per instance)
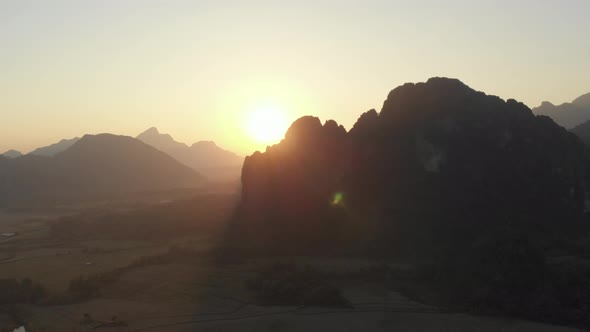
(205, 297)
(174, 282)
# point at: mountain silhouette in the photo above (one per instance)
(162, 142)
(12, 154)
(53, 149)
(583, 101)
(102, 164)
(441, 165)
(583, 132)
(205, 156)
(567, 115)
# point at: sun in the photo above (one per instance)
(267, 125)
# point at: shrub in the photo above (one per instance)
(287, 284)
(12, 291)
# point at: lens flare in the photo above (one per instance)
(338, 199)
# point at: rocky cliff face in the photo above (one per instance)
(294, 180)
(440, 164)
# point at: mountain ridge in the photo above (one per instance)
(583, 100)
(11, 154)
(102, 164)
(55, 148)
(568, 115)
(438, 153)
(202, 156)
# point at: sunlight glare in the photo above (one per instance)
(267, 125)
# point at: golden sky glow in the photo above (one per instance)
(200, 69)
(267, 124)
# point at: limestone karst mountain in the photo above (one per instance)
(440, 165)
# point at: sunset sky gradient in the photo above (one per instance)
(198, 69)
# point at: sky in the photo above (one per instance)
(199, 69)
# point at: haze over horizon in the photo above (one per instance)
(199, 70)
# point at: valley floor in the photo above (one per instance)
(179, 297)
(179, 293)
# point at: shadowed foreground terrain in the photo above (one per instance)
(92, 271)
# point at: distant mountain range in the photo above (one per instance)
(94, 165)
(12, 154)
(204, 156)
(567, 115)
(53, 149)
(46, 151)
